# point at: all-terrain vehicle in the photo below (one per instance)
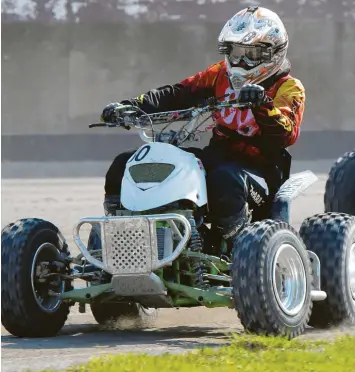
(152, 253)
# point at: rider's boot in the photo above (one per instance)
(230, 227)
(111, 204)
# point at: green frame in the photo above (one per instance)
(180, 295)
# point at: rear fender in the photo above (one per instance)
(290, 190)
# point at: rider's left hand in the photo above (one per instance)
(253, 94)
(114, 110)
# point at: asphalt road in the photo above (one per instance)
(63, 202)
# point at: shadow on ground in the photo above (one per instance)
(183, 337)
(78, 336)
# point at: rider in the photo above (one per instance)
(244, 157)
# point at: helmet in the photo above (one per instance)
(254, 42)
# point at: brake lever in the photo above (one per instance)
(111, 125)
(104, 125)
(237, 104)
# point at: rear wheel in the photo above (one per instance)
(30, 305)
(331, 236)
(340, 187)
(94, 241)
(272, 279)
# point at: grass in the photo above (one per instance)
(245, 353)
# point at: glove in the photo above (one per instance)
(112, 111)
(211, 101)
(253, 94)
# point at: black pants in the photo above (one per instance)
(231, 187)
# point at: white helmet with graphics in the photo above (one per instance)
(254, 42)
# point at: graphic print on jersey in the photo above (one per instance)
(242, 121)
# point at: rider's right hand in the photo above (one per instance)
(114, 110)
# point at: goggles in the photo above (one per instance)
(252, 55)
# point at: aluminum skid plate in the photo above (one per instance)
(130, 246)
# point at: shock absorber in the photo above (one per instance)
(197, 267)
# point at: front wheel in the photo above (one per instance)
(110, 313)
(271, 279)
(31, 250)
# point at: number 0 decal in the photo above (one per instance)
(143, 152)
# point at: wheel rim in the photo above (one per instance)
(289, 280)
(352, 271)
(47, 303)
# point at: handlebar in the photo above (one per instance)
(144, 121)
(163, 117)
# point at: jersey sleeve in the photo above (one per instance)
(281, 118)
(187, 93)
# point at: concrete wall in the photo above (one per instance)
(62, 61)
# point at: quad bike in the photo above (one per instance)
(152, 253)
